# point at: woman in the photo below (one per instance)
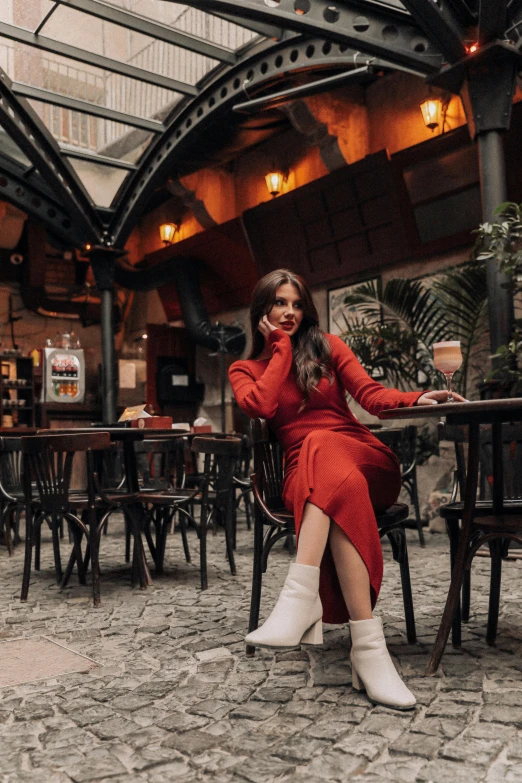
(336, 474)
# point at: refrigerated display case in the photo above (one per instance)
(64, 375)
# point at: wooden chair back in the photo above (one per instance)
(161, 463)
(268, 464)
(10, 468)
(48, 461)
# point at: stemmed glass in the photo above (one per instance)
(447, 357)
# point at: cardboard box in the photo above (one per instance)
(153, 422)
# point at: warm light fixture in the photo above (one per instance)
(432, 112)
(274, 182)
(472, 49)
(168, 232)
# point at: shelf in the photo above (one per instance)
(73, 378)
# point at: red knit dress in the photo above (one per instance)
(331, 459)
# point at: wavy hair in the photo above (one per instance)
(311, 350)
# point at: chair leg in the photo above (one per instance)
(452, 526)
(94, 544)
(466, 595)
(5, 528)
(495, 548)
(203, 547)
(37, 546)
(257, 578)
(418, 520)
(229, 537)
(127, 540)
(182, 522)
(397, 538)
(55, 533)
(28, 553)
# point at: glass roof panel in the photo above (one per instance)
(98, 36)
(189, 20)
(27, 14)
(9, 149)
(29, 65)
(101, 182)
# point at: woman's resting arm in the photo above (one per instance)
(260, 398)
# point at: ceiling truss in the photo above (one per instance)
(423, 37)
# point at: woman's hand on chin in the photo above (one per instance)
(433, 397)
(265, 327)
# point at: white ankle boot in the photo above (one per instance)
(373, 669)
(297, 615)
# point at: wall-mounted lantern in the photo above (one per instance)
(432, 113)
(168, 232)
(274, 182)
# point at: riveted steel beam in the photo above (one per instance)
(440, 25)
(188, 124)
(141, 24)
(97, 60)
(492, 20)
(84, 107)
(27, 130)
(28, 192)
(368, 27)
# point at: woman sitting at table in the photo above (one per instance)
(336, 474)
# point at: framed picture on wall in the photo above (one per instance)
(339, 314)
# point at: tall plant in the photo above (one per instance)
(395, 329)
(501, 241)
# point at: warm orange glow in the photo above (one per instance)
(168, 232)
(274, 182)
(473, 48)
(87, 247)
(432, 112)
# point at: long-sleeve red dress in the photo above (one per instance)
(331, 459)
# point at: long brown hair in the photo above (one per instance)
(311, 350)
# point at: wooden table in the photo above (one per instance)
(471, 414)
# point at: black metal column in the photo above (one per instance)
(494, 192)
(103, 262)
(486, 83)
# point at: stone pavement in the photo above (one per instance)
(175, 698)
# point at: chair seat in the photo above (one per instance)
(483, 508)
(162, 498)
(397, 513)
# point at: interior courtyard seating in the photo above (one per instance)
(11, 490)
(220, 458)
(161, 470)
(273, 522)
(498, 531)
(47, 471)
(402, 441)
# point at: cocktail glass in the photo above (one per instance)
(447, 357)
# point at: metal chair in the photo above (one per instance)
(217, 493)
(270, 514)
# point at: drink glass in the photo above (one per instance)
(447, 358)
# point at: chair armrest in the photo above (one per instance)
(264, 508)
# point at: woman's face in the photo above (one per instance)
(287, 311)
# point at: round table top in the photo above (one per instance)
(509, 409)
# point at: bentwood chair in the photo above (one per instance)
(11, 490)
(48, 462)
(402, 441)
(217, 494)
(497, 531)
(161, 468)
(272, 522)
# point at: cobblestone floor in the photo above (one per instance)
(174, 697)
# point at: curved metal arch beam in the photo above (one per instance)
(26, 129)
(440, 25)
(217, 100)
(368, 27)
(17, 187)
